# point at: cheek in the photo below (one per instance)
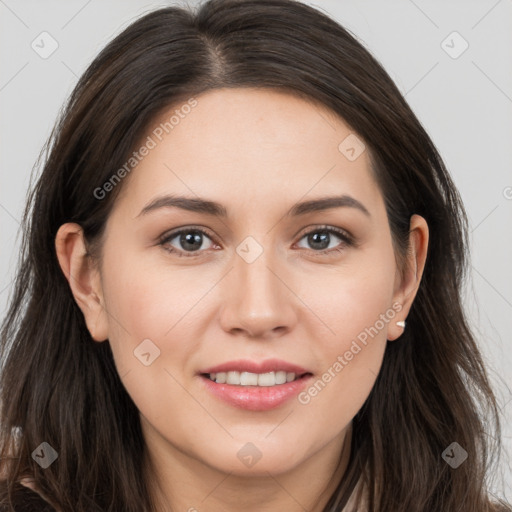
(149, 318)
(352, 299)
(356, 305)
(149, 299)
(145, 303)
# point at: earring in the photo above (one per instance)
(401, 324)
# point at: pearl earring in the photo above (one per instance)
(401, 324)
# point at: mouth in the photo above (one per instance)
(255, 385)
(250, 379)
(255, 390)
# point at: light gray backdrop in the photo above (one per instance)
(451, 59)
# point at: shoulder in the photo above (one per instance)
(23, 500)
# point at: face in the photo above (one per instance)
(187, 290)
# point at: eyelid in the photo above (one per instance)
(342, 233)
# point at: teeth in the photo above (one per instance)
(248, 379)
(253, 379)
(233, 378)
(280, 377)
(267, 379)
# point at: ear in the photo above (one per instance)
(406, 285)
(83, 277)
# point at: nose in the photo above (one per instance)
(258, 302)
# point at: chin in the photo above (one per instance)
(251, 461)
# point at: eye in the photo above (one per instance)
(189, 240)
(321, 237)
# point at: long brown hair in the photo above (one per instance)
(59, 387)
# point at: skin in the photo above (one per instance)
(258, 152)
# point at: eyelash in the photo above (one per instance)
(347, 240)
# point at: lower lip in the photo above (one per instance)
(256, 398)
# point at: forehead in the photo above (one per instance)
(245, 145)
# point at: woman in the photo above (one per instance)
(257, 369)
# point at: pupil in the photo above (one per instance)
(188, 240)
(314, 238)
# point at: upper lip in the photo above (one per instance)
(266, 366)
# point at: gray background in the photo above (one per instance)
(465, 103)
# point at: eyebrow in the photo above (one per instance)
(205, 206)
